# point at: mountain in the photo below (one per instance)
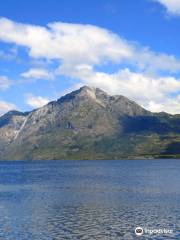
(89, 124)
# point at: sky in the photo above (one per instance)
(125, 47)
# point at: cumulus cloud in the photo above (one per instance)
(75, 44)
(37, 73)
(152, 92)
(166, 105)
(79, 49)
(173, 6)
(36, 101)
(5, 107)
(5, 82)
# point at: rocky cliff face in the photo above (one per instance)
(88, 123)
(10, 125)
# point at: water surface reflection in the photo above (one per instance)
(88, 199)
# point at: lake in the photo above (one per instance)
(49, 200)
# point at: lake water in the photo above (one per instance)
(89, 200)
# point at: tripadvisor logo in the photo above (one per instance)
(139, 231)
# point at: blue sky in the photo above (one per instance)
(48, 48)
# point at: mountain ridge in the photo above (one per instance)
(89, 124)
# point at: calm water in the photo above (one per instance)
(88, 199)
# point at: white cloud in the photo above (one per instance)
(36, 101)
(79, 49)
(37, 73)
(75, 44)
(173, 6)
(5, 82)
(5, 107)
(166, 105)
(152, 92)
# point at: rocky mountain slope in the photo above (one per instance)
(89, 124)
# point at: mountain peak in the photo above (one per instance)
(92, 89)
(85, 92)
(88, 123)
(87, 88)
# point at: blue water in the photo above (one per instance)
(49, 200)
